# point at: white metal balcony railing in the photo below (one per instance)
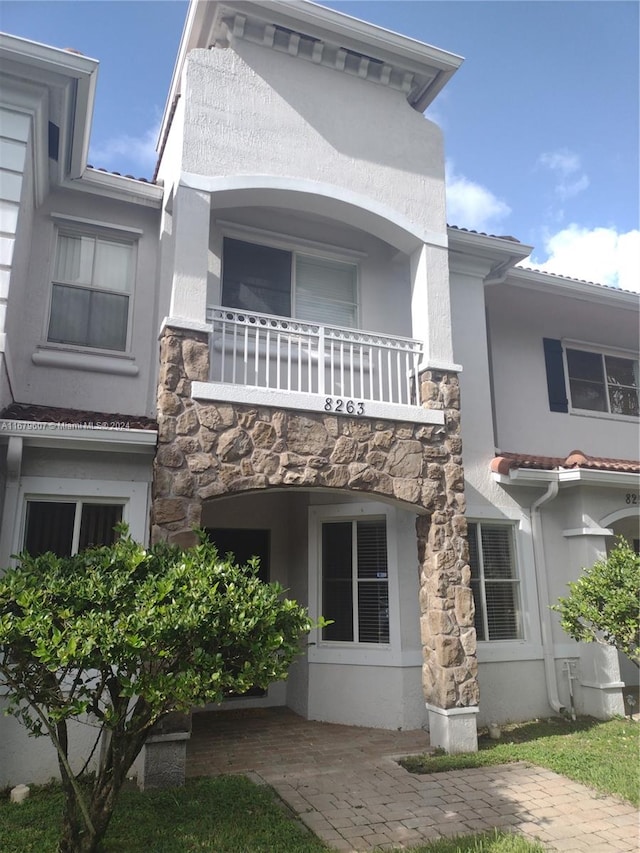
(281, 354)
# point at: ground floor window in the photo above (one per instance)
(355, 580)
(66, 527)
(494, 582)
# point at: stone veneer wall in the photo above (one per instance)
(211, 449)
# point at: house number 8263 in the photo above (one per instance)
(345, 407)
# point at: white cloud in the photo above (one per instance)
(127, 154)
(594, 254)
(470, 205)
(567, 169)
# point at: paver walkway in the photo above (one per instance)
(345, 785)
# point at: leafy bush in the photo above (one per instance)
(603, 605)
(122, 636)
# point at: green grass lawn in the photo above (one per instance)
(488, 842)
(601, 755)
(225, 814)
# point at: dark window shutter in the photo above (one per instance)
(555, 375)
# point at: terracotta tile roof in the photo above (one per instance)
(54, 415)
(573, 278)
(484, 233)
(119, 174)
(506, 462)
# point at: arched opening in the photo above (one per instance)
(353, 559)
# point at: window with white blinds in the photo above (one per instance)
(355, 583)
(325, 291)
(92, 280)
(289, 284)
(66, 527)
(494, 582)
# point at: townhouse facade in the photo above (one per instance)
(279, 339)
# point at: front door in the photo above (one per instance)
(243, 544)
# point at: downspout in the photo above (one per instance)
(11, 492)
(543, 596)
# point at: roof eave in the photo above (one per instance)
(500, 254)
(566, 477)
(36, 62)
(203, 16)
(585, 290)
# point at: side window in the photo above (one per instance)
(494, 582)
(591, 381)
(66, 527)
(355, 583)
(91, 287)
(603, 383)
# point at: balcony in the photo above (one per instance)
(260, 359)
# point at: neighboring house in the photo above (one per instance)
(395, 417)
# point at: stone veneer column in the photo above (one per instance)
(450, 667)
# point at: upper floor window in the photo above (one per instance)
(591, 381)
(602, 383)
(92, 283)
(494, 582)
(68, 526)
(355, 580)
(289, 284)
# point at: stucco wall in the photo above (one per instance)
(389, 698)
(29, 760)
(252, 111)
(519, 320)
(97, 390)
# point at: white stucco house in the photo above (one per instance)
(280, 339)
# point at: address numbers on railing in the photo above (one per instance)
(344, 407)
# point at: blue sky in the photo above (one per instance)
(541, 121)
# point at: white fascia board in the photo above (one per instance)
(43, 56)
(414, 53)
(248, 395)
(495, 256)
(37, 61)
(567, 477)
(117, 187)
(78, 437)
(561, 286)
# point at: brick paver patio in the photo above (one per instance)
(345, 785)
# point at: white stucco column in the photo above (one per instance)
(431, 305)
(191, 213)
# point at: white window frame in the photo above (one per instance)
(133, 497)
(515, 581)
(79, 504)
(602, 352)
(297, 247)
(353, 652)
(73, 227)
